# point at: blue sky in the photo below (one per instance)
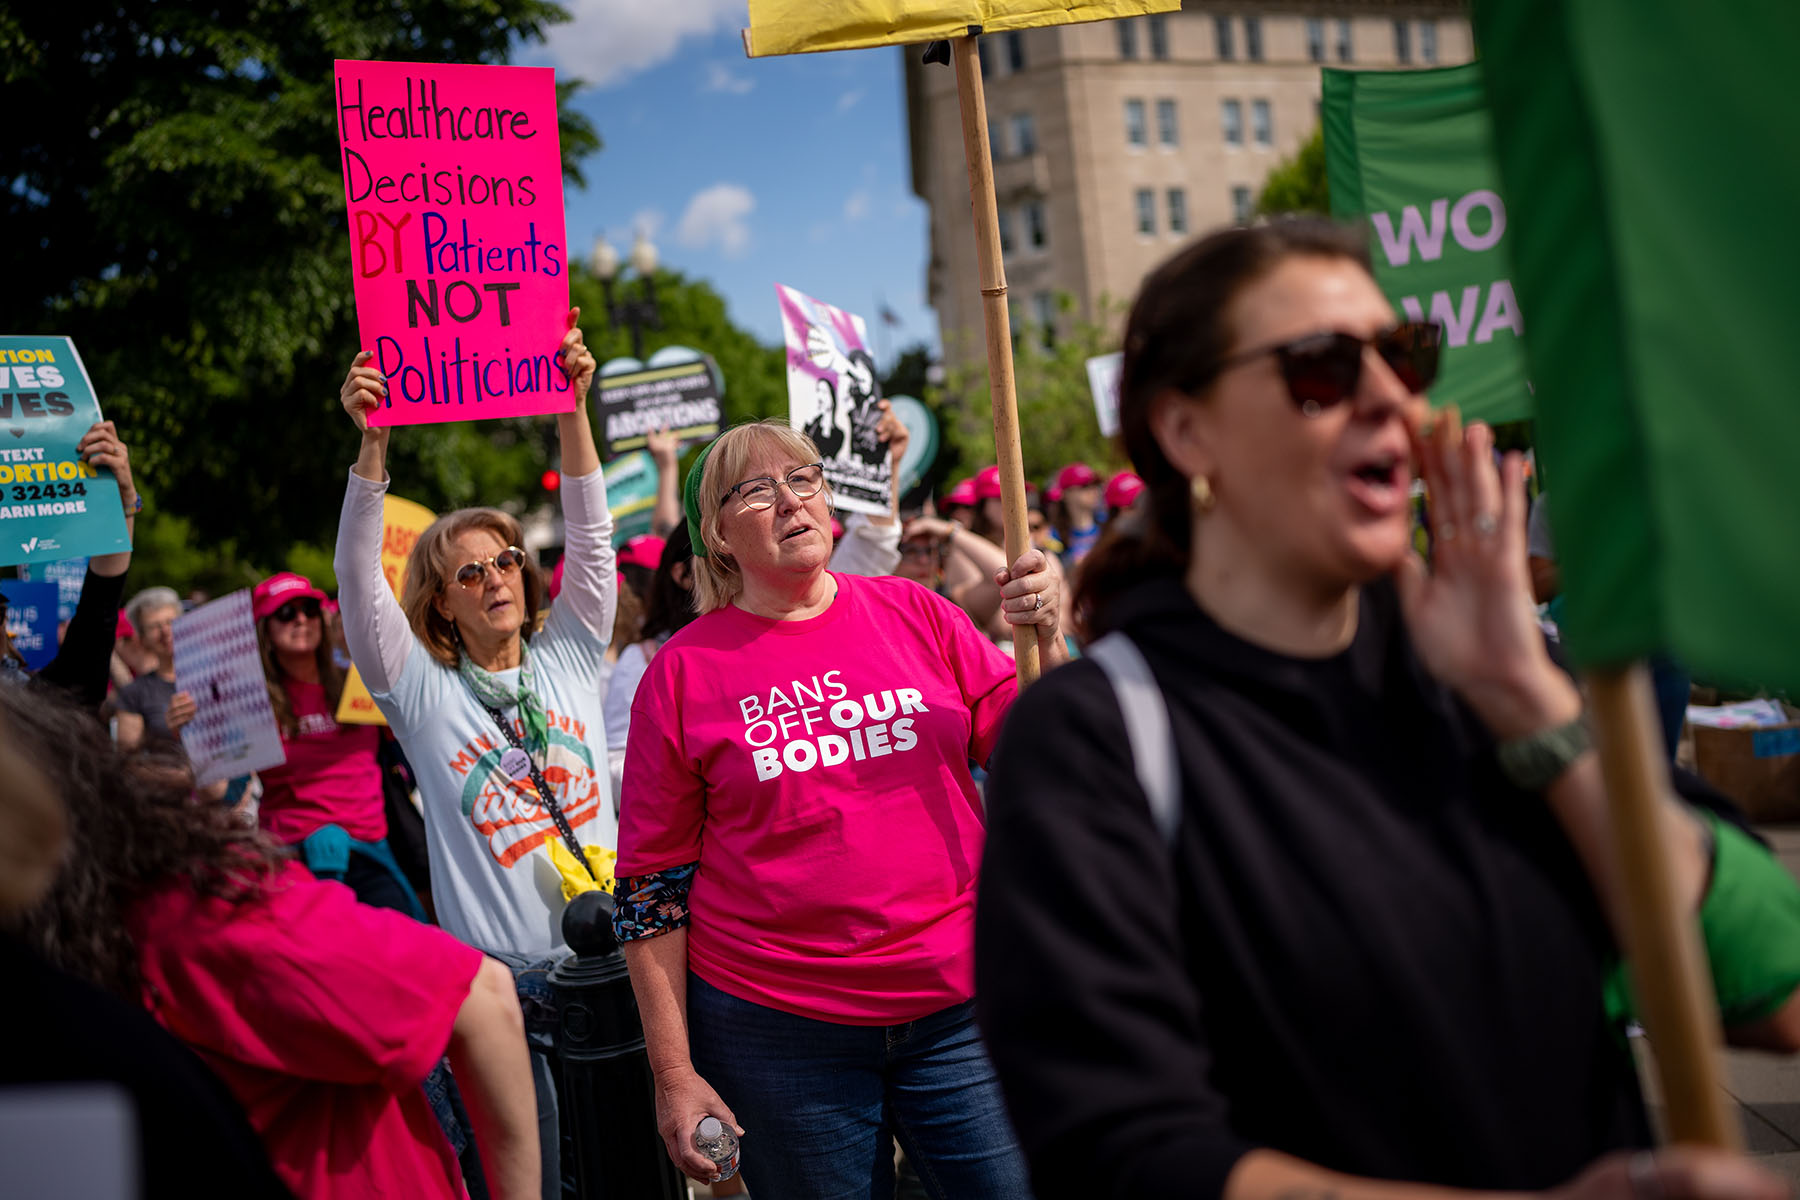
(746, 172)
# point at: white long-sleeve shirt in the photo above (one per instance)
(492, 880)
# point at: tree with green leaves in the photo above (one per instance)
(175, 204)
(1298, 184)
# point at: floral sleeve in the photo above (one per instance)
(650, 905)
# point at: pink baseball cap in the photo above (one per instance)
(1122, 489)
(961, 496)
(277, 590)
(642, 551)
(987, 484)
(1076, 474)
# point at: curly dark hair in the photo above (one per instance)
(134, 825)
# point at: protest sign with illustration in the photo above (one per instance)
(217, 663)
(453, 175)
(402, 522)
(677, 390)
(832, 397)
(52, 504)
(31, 620)
(1411, 152)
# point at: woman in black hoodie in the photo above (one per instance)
(1369, 941)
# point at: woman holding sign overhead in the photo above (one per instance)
(499, 715)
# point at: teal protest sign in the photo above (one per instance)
(52, 505)
(31, 620)
(1411, 152)
(631, 494)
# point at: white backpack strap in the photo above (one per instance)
(1146, 727)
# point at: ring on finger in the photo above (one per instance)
(1038, 602)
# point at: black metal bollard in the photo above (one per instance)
(609, 1107)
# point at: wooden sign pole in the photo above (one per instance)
(1662, 943)
(1007, 451)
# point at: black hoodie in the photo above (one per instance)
(1366, 949)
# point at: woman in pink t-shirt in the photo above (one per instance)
(326, 800)
(798, 845)
(323, 1016)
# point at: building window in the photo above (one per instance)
(1168, 133)
(1253, 39)
(1177, 210)
(1315, 39)
(1159, 36)
(1146, 211)
(996, 140)
(1024, 134)
(1135, 134)
(1037, 231)
(1402, 42)
(1240, 205)
(1345, 48)
(1015, 51)
(1222, 34)
(1262, 125)
(1006, 230)
(1043, 314)
(1428, 41)
(1232, 114)
(1127, 37)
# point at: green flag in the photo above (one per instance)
(1651, 160)
(1410, 152)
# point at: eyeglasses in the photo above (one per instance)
(293, 610)
(1323, 369)
(759, 493)
(474, 574)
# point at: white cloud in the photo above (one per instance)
(716, 216)
(608, 41)
(719, 78)
(848, 100)
(857, 206)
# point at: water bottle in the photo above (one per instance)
(719, 1144)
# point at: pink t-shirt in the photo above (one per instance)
(323, 1016)
(818, 770)
(330, 777)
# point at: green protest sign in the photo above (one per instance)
(1411, 153)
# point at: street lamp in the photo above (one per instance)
(633, 312)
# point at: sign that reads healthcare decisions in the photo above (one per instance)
(31, 620)
(453, 175)
(682, 398)
(52, 504)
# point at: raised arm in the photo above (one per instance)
(375, 628)
(83, 663)
(665, 449)
(589, 590)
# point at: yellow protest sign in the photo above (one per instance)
(802, 26)
(402, 522)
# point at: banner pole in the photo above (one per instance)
(1662, 945)
(1007, 451)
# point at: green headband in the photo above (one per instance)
(690, 499)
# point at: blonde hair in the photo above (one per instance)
(717, 580)
(432, 566)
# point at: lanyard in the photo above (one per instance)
(544, 793)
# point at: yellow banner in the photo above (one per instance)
(802, 26)
(402, 522)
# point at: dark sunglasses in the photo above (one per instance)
(471, 574)
(1323, 369)
(293, 610)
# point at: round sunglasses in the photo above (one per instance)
(293, 610)
(508, 561)
(1322, 370)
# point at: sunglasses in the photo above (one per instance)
(473, 574)
(293, 610)
(759, 493)
(1323, 369)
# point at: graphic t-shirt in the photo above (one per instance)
(818, 770)
(330, 777)
(323, 1016)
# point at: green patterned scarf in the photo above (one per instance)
(490, 691)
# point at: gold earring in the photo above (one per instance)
(1201, 488)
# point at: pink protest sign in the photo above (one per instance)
(453, 176)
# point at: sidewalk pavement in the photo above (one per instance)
(1765, 1087)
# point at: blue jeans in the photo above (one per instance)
(822, 1103)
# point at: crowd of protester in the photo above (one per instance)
(1292, 872)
